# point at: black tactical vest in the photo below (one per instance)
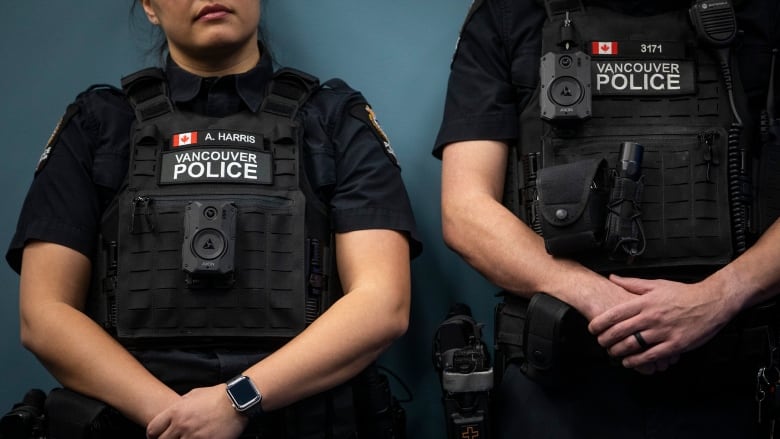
(216, 237)
(609, 79)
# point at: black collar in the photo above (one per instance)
(250, 86)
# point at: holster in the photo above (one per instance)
(623, 235)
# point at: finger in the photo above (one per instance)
(621, 331)
(158, 425)
(631, 284)
(662, 365)
(652, 355)
(613, 316)
(630, 344)
(646, 369)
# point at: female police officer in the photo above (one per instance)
(216, 69)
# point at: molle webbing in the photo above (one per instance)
(685, 206)
(275, 230)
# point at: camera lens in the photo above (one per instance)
(208, 244)
(210, 212)
(565, 91)
(565, 61)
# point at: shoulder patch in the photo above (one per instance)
(55, 135)
(365, 114)
(475, 4)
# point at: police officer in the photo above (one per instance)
(673, 349)
(232, 350)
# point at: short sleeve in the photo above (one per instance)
(493, 73)
(65, 201)
(354, 164)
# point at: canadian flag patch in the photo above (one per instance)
(604, 48)
(183, 139)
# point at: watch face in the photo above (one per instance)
(243, 393)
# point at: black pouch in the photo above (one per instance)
(624, 235)
(543, 337)
(531, 333)
(546, 337)
(71, 415)
(510, 317)
(571, 205)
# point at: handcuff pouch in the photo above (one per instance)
(571, 205)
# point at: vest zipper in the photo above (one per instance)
(707, 139)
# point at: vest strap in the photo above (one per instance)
(557, 8)
(147, 91)
(288, 91)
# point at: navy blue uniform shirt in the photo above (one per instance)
(347, 162)
(494, 73)
(496, 67)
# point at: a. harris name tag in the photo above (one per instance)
(215, 157)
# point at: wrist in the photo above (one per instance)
(731, 288)
(244, 396)
(582, 290)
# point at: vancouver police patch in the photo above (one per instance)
(366, 114)
(216, 156)
(55, 135)
(225, 165)
(641, 68)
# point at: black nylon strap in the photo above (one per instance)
(289, 89)
(556, 8)
(147, 91)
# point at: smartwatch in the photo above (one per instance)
(244, 396)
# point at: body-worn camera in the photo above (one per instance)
(565, 79)
(208, 249)
(463, 363)
(565, 88)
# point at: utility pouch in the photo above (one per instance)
(71, 415)
(571, 205)
(510, 316)
(546, 337)
(531, 334)
(543, 337)
(379, 414)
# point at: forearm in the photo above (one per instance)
(375, 274)
(78, 352)
(82, 357)
(498, 244)
(336, 347)
(754, 276)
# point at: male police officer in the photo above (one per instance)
(637, 154)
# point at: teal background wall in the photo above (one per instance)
(396, 52)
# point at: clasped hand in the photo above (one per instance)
(204, 412)
(670, 317)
